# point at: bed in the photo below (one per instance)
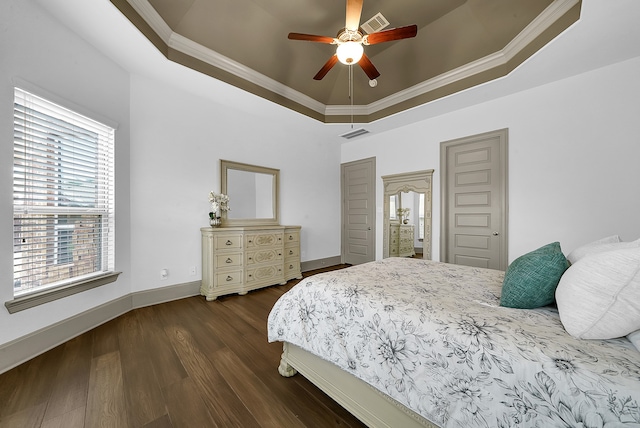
(406, 342)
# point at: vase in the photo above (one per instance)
(214, 221)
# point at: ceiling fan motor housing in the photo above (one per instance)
(350, 48)
(350, 42)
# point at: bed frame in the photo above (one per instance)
(362, 400)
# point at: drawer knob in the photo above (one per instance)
(229, 260)
(290, 266)
(229, 278)
(290, 237)
(228, 242)
(290, 252)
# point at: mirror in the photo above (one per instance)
(407, 231)
(253, 194)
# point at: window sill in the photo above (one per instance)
(39, 298)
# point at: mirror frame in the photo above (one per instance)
(418, 182)
(225, 166)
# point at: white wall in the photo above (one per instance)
(168, 147)
(178, 139)
(34, 47)
(573, 157)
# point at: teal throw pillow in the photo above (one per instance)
(531, 279)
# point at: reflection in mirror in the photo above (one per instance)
(407, 214)
(253, 194)
(255, 189)
(393, 207)
(414, 217)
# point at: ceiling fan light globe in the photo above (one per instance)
(349, 52)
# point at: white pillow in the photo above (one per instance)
(600, 245)
(599, 296)
(635, 339)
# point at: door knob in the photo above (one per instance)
(495, 234)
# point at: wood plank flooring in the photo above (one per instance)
(187, 363)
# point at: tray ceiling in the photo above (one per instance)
(460, 44)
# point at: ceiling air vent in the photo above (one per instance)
(355, 133)
(375, 24)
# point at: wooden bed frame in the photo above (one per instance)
(366, 403)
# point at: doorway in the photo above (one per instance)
(473, 176)
(358, 211)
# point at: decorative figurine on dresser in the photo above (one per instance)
(249, 249)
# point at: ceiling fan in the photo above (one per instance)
(350, 42)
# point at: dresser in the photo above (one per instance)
(401, 240)
(241, 259)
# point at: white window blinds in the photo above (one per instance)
(63, 195)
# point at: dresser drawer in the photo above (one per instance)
(291, 267)
(227, 242)
(269, 273)
(228, 278)
(228, 260)
(263, 240)
(291, 252)
(292, 238)
(406, 248)
(269, 255)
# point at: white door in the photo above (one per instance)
(474, 200)
(358, 211)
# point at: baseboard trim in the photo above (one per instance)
(165, 294)
(320, 263)
(27, 347)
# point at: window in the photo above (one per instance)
(63, 196)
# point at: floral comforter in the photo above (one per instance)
(433, 336)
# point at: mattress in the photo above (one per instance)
(433, 336)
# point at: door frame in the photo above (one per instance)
(343, 208)
(503, 137)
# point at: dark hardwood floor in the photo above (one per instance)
(186, 363)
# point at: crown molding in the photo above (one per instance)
(153, 18)
(529, 35)
(211, 57)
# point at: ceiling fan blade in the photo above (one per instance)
(326, 67)
(311, 38)
(368, 67)
(389, 35)
(354, 9)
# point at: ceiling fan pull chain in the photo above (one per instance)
(351, 91)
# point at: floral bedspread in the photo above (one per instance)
(433, 336)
